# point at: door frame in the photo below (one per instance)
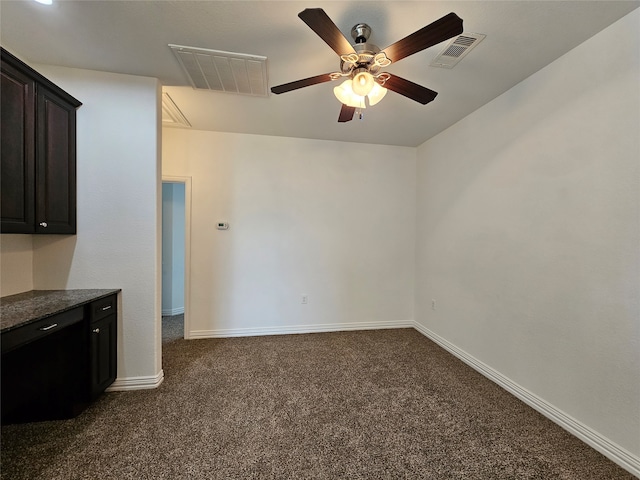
(186, 181)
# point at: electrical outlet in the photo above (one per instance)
(305, 299)
(433, 304)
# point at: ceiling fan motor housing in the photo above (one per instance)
(362, 59)
(365, 49)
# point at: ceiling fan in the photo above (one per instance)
(362, 64)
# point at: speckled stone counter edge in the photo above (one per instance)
(23, 308)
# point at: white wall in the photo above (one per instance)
(118, 236)
(331, 220)
(173, 225)
(16, 264)
(529, 231)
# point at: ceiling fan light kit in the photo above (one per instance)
(362, 82)
(346, 94)
(361, 64)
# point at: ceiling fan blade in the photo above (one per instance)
(346, 113)
(442, 29)
(320, 23)
(410, 90)
(305, 82)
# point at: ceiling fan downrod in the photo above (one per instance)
(361, 33)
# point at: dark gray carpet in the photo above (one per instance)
(380, 404)
(172, 328)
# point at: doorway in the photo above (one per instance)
(176, 214)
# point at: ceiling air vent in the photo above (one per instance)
(456, 49)
(223, 71)
(172, 116)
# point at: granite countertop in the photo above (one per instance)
(23, 308)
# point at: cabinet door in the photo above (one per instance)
(103, 354)
(45, 379)
(56, 164)
(17, 151)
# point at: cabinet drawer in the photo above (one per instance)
(36, 330)
(103, 308)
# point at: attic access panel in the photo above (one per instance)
(220, 71)
(172, 116)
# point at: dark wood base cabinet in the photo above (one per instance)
(44, 380)
(53, 368)
(104, 339)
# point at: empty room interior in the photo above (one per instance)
(409, 239)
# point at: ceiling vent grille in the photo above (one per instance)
(457, 49)
(223, 71)
(172, 116)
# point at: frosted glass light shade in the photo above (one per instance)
(363, 82)
(344, 93)
(376, 94)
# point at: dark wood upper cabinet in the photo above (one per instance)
(37, 152)
(17, 154)
(56, 164)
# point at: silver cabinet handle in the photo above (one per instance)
(43, 224)
(106, 308)
(96, 330)
(49, 327)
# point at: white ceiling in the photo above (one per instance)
(131, 37)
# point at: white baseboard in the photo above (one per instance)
(615, 453)
(136, 383)
(293, 329)
(172, 311)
